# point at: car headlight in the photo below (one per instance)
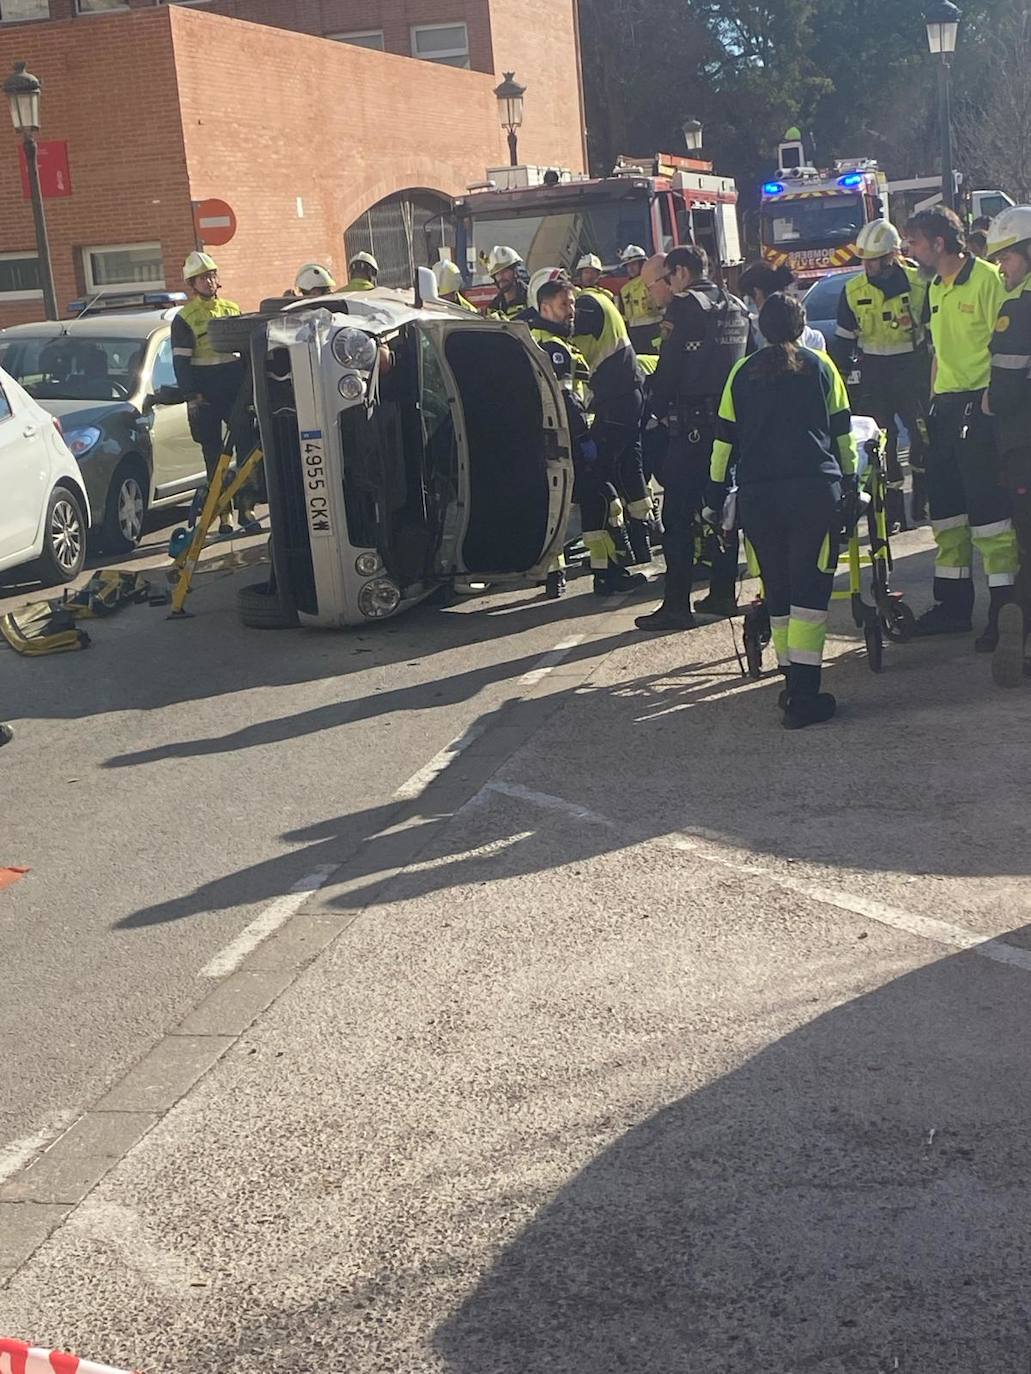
(352, 348)
(368, 564)
(378, 599)
(351, 386)
(80, 441)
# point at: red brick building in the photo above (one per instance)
(164, 105)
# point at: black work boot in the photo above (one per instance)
(999, 599)
(555, 584)
(616, 581)
(637, 534)
(721, 601)
(675, 611)
(804, 703)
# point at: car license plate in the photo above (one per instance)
(316, 488)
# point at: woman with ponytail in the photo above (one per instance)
(759, 281)
(784, 431)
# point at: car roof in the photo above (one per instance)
(137, 324)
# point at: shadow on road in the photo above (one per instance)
(851, 1200)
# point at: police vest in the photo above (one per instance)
(888, 325)
(707, 362)
(198, 314)
(567, 362)
(638, 306)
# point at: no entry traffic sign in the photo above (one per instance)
(214, 221)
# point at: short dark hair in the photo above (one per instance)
(978, 238)
(938, 223)
(551, 289)
(766, 278)
(689, 255)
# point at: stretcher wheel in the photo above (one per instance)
(899, 621)
(874, 645)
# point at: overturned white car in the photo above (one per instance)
(406, 447)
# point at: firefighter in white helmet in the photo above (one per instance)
(880, 316)
(588, 274)
(450, 283)
(211, 381)
(642, 315)
(362, 272)
(508, 272)
(314, 280)
(1009, 400)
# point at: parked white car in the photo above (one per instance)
(45, 513)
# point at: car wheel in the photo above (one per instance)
(260, 607)
(126, 506)
(64, 538)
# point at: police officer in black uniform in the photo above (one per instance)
(711, 331)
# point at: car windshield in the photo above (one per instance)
(561, 237)
(80, 367)
(811, 221)
(821, 301)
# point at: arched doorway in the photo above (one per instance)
(402, 232)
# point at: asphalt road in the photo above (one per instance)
(632, 1033)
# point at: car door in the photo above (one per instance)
(24, 472)
(515, 451)
(178, 461)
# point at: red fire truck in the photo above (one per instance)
(655, 202)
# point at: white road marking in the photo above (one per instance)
(925, 927)
(418, 782)
(277, 913)
(550, 660)
(19, 1154)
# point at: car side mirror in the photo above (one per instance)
(164, 396)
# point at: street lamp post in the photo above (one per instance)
(942, 27)
(692, 135)
(22, 90)
(510, 107)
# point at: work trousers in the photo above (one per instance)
(794, 527)
(685, 475)
(1016, 470)
(969, 505)
(616, 430)
(897, 386)
(221, 405)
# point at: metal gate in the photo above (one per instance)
(402, 232)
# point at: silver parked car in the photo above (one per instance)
(108, 378)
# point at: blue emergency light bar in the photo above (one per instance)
(773, 188)
(127, 300)
(852, 179)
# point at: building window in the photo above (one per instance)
(19, 277)
(124, 264)
(12, 11)
(368, 38)
(444, 43)
(98, 6)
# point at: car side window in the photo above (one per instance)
(164, 371)
(5, 406)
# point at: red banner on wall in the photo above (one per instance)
(55, 179)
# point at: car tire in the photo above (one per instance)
(232, 333)
(260, 607)
(126, 507)
(64, 539)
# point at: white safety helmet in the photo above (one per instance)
(367, 259)
(1010, 229)
(633, 252)
(448, 275)
(314, 277)
(197, 264)
(590, 260)
(501, 257)
(542, 276)
(877, 239)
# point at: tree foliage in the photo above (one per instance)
(855, 74)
